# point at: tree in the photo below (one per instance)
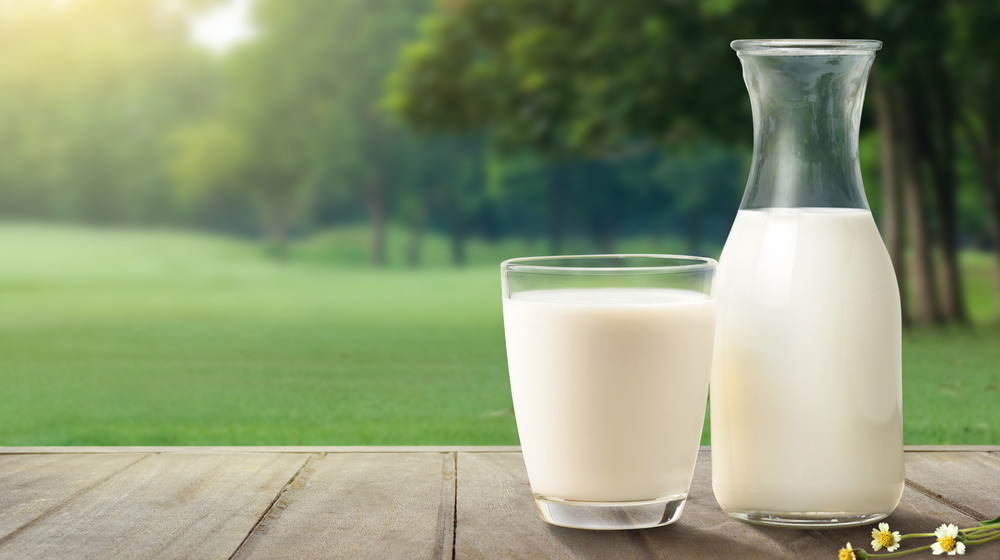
(975, 25)
(89, 90)
(303, 97)
(587, 77)
(440, 180)
(548, 77)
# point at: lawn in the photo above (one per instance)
(112, 337)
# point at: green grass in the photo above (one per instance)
(951, 386)
(164, 338)
(110, 338)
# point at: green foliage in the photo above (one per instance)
(576, 118)
(299, 124)
(210, 156)
(90, 89)
(577, 76)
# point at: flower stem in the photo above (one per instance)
(916, 535)
(900, 553)
(981, 530)
(982, 540)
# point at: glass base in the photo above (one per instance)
(610, 516)
(807, 520)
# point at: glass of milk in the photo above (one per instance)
(609, 359)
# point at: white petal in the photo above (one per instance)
(883, 527)
(960, 547)
(936, 547)
(875, 545)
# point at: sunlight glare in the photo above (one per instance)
(224, 27)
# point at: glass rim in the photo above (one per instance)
(805, 47)
(536, 264)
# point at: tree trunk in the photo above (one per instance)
(456, 229)
(277, 239)
(984, 147)
(602, 230)
(936, 139)
(926, 308)
(892, 204)
(458, 246)
(277, 214)
(556, 208)
(374, 199)
(415, 243)
(694, 233)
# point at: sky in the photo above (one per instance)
(221, 28)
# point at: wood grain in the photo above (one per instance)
(969, 481)
(496, 517)
(32, 486)
(493, 492)
(413, 502)
(354, 505)
(165, 506)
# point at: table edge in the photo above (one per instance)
(311, 449)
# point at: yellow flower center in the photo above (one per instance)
(947, 543)
(846, 555)
(885, 539)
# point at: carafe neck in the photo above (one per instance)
(806, 98)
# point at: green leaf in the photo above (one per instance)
(994, 521)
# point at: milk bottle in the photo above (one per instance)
(806, 391)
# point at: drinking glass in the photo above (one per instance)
(609, 359)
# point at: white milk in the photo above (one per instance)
(609, 389)
(806, 381)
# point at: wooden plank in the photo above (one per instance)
(31, 486)
(970, 482)
(916, 513)
(351, 505)
(172, 505)
(496, 517)
(401, 504)
(705, 531)
(493, 492)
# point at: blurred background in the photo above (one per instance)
(268, 222)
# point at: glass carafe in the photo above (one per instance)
(806, 394)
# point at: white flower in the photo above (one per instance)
(847, 553)
(947, 541)
(882, 537)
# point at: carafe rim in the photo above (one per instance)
(804, 47)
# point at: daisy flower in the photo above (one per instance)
(882, 537)
(947, 541)
(847, 553)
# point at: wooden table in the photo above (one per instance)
(399, 502)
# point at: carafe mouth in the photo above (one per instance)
(804, 47)
(806, 96)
